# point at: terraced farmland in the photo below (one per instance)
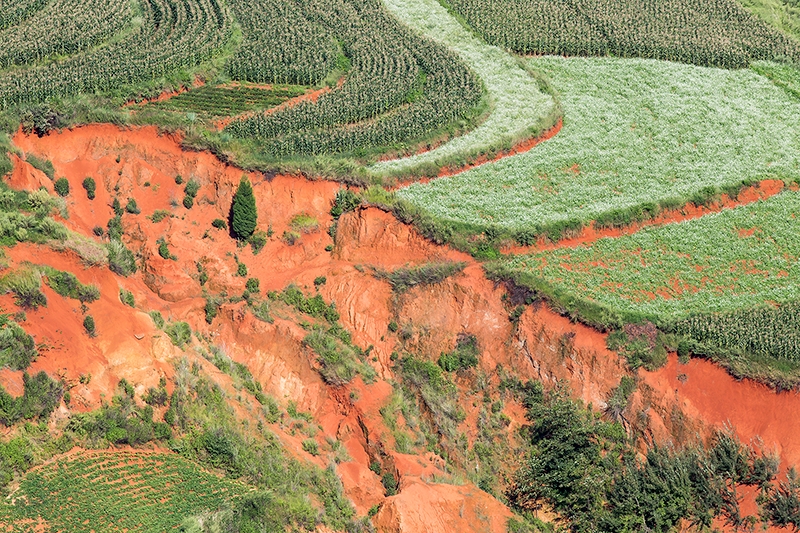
(116, 491)
(638, 135)
(398, 87)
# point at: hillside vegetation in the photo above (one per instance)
(394, 266)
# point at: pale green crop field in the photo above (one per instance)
(635, 132)
(735, 259)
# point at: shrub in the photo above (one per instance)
(131, 207)
(67, 285)
(241, 270)
(211, 308)
(89, 326)
(126, 297)
(117, 207)
(258, 241)
(120, 260)
(464, 356)
(115, 229)
(219, 224)
(188, 202)
(158, 320)
(98, 231)
(17, 348)
(243, 211)
(163, 250)
(41, 395)
(253, 285)
(61, 187)
(192, 188)
(91, 187)
(345, 201)
(178, 179)
(159, 215)
(319, 281)
(311, 446)
(179, 333)
(389, 483)
(157, 397)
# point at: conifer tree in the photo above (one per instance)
(243, 211)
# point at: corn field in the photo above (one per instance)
(13, 11)
(173, 35)
(717, 33)
(281, 44)
(765, 331)
(63, 27)
(398, 86)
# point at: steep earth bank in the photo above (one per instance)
(681, 402)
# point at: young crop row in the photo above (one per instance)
(229, 101)
(730, 279)
(703, 32)
(174, 35)
(63, 27)
(398, 87)
(136, 492)
(638, 135)
(282, 43)
(519, 107)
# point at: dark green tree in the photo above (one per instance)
(243, 211)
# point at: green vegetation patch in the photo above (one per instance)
(118, 491)
(703, 32)
(399, 88)
(226, 101)
(734, 259)
(638, 136)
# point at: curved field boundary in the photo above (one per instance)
(519, 107)
(589, 234)
(639, 137)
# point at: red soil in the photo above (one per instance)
(706, 392)
(588, 234)
(543, 345)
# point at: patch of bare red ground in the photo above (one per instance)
(588, 234)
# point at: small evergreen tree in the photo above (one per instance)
(243, 210)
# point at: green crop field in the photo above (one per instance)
(398, 86)
(731, 279)
(703, 32)
(637, 134)
(115, 491)
(519, 107)
(227, 101)
(169, 36)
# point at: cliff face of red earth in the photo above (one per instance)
(677, 401)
